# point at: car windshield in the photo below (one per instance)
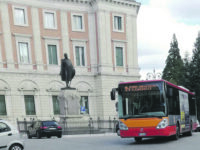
(49, 123)
(140, 101)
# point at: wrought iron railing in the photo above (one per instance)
(78, 126)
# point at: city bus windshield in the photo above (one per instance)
(141, 100)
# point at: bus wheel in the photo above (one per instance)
(138, 139)
(176, 136)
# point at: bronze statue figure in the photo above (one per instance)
(67, 71)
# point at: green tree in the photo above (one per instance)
(195, 72)
(173, 71)
(187, 72)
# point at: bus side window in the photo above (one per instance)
(173, 101)
(169, 92)
(192, 105)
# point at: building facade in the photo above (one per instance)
(99, 36)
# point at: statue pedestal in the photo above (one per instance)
(69, 102)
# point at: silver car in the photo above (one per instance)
(9, 137)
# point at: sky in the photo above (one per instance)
(157, 21)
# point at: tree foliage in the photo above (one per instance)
(184, 72)
(187, 72)
(195, 67)
(195, 72)
(173, 71)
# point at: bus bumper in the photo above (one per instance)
(148, 132)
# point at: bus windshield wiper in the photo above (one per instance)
(149, 116)
(141, 116)
(133, 116)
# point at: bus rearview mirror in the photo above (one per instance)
(112, 94)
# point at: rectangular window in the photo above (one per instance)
(77, 22)
(20, 16)
(80, 56)
(118, 23)
(52, 52)
(84, 105)
(192, 105)
(56, 107)
(119, 56)
(23, 48)
(173, 101)
(49, 20)
(29, 104)
(2, 105)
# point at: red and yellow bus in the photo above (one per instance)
(154, 108)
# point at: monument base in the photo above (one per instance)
(69, 102)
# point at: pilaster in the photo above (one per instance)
(64, 31)
(7, 35)
(37, 38)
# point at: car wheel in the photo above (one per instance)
(59, 136)
(28, 135)
(38, 135)
(16, 147)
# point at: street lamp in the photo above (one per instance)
(154, 75)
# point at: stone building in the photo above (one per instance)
(99, 36)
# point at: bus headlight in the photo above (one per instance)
(122, 126)
(162, 124)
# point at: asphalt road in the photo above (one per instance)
(112, 142)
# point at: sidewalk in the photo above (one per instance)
(89, 135)
(24, 135)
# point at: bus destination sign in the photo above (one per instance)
(139, 88)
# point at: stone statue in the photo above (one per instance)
(67, 70)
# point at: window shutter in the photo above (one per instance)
(77, 56)
(56, 107)
(54, 54)
(119, 56)
(83, 56)
(2, 105)
(29, 104)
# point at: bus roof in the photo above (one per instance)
(147, 81)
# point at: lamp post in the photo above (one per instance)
(154, 75)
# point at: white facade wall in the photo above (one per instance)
(42, 80)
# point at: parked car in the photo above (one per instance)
(10, 137)
(198, 127)
(44, 129)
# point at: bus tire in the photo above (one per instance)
(138, 139)
(177, 135)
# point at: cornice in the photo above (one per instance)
(72, 1)
(51, 38)
(129, 3)
(22, 35)
(121, 2)
(88, 3)
(79, 40)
